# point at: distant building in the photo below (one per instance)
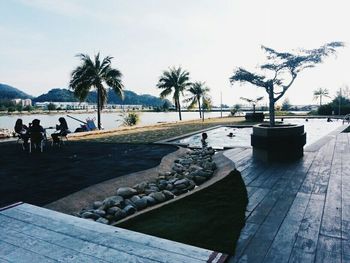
(84, 106)
(23, 102)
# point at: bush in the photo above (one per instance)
(131, 119)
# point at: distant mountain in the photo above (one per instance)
(65, 95)
(7, 93)
(57, 95)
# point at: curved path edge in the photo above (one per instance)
(224, 167)
(73, 203)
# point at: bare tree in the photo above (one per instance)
(281, 70)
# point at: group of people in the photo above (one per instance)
(36, 133)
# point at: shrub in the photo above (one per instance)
(131, 119)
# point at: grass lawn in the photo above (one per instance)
(153, 133)
(211, 218)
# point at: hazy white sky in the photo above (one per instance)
(209, 38)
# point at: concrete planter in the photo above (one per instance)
(256, 117)
(280, 143)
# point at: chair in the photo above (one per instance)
(21, 141)
(61, 139)
(37, 140)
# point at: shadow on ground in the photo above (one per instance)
(41, 178)
(211, 218)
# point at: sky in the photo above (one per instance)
(208, 38)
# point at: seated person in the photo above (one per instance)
(36, 131)
(61, 130)
(22, 131)
(230, 135)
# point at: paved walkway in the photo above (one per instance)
(297, 212)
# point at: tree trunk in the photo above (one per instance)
(199, 108)
(98, 109)
(253, 108)
(179, 108)
(271, 107)
(320, 100)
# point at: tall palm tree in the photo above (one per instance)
(91, 74)
(198, 92)
(174, 80)
(319, 93)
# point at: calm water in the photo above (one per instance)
(218, 138)
(109, 120)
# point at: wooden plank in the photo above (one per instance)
(282, 244)
(256, 198)
(331, 221)
(82, 248)
(104, 235)
(304, 249)
(17, 254)
(247, 233)
(263, 176)
(328, 250)
(263, 209)
(321, 183)
(44, 248)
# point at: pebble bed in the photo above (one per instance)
(188, 172)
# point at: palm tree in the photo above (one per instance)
(318, 93)
(198, 92)
(174, 80)
(92, 74)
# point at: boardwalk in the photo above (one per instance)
(297, 212)
(33, 234)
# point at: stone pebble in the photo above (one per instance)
(187, 172)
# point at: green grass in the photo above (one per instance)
(211, 218)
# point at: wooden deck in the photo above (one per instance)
(297, 212)
(32, 234)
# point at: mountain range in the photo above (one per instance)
(64, 95)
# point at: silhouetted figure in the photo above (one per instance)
(329, 120)
(230, 135)
(204, 139)
(282, 119)
(306, 119)
(61, 130)
(22, 131)
(37, 132)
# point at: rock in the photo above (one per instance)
(181, 181)
(120, 214)
(134, 198)
(140, 188)
(129, 210)
(199, 179)
(151, 189)
(102, 220)
(168, 195)
(129, 202)
(169, 187)
(126, 192)
(141, 203)
(112, 210)
(97, 204)
(99, 212)
(90, 215)
(178, 168)
(150, 200)
(113, 201)
(158, 196)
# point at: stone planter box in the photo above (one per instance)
(256, 117)
(280, 143)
